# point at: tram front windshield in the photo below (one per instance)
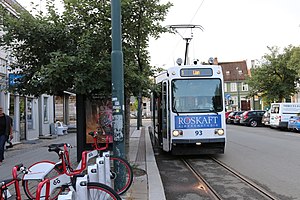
(197, 95)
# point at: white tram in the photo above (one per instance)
(189, 110)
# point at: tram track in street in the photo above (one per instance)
(207, 172)
(246, 180)
(203, 185)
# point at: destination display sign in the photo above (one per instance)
(197, 121)
(196, 72)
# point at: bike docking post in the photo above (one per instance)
(93, 172)
(96, 171)
(101, 169)
(67, 196)
(106, 156)
(81, 187)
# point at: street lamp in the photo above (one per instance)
(237, 85)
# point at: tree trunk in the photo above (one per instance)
(127, 124)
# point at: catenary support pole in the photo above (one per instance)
(117, 91)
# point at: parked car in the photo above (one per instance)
(231, 116)
(266, 118)
(294, 123)
(252, 117)
(237, 117)
(227, 114)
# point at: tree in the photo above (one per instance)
(71, 51)
(277, 77)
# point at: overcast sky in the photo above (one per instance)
(234, 30)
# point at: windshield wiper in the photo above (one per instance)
(214, 111)
(176, 111)
(174, 108)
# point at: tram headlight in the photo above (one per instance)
(219, 131)
(176, 133)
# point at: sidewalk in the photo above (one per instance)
(147, 184)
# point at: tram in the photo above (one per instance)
(189, 109)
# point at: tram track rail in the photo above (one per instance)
(214, 193)
(246, 180)
(203, 184)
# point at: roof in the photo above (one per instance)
(11, 6)
(231, 70)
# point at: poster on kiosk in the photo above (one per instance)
(98, 112)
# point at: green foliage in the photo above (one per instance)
(140, 20)
(278, 75)
(72, 51)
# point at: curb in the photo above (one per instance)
(155, 186)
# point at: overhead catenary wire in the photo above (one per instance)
(179, 40)
(192, 22)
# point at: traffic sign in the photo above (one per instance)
(227, 96)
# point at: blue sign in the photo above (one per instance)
(14, 79)
(197, 121)
(227, 96)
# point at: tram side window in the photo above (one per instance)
(164, 108)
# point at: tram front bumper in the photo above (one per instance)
(198, 146)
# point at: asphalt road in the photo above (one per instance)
(268, 157)
(30, 152)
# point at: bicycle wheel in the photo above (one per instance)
(117, 166)
(101, 191)
(30, 185)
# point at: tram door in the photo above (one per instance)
(22, 118)
(165, 113)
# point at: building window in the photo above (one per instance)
(235, 100)
(225, 87)
(46, 113)
(233, 87)
(30, 113)
(244, 87)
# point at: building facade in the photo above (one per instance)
(235, 88)
(31, 116)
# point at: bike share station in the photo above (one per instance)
(94, 114)
(94, 141)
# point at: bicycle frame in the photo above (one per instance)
(77, 190)
(14, 181)
(40, 170)
(99, 172)
(48, 185)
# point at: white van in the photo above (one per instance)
(281, 113)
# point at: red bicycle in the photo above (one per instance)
(73, 183)
(46, 169)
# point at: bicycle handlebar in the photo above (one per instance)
(56, 147)
(94, 134)
(18, 167)
(15, 169)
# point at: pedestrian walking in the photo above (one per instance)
(6, 133)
